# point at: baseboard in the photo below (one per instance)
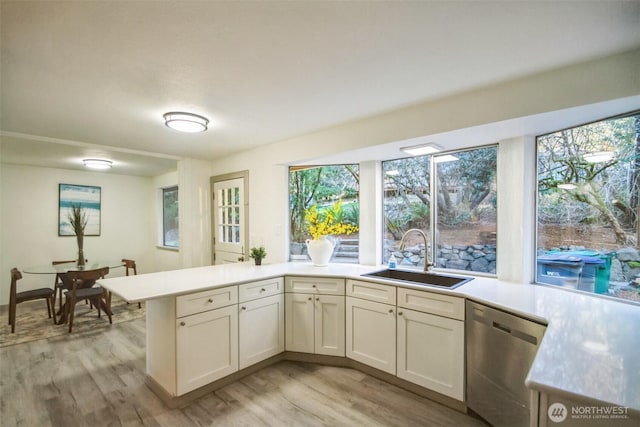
(343, 362)
(188, 398)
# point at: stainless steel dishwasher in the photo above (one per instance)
(500, 350)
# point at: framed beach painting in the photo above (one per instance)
(88, 197)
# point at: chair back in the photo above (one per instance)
(58, 280)
(129, 264)
(86, 277)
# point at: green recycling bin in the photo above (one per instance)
(596, 270)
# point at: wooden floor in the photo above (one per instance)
(97, 379)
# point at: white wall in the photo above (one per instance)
(596, 81)
(195, 212)
(29, 195)
(29, 221)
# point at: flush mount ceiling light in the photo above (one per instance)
(421, 150)
(445, 158)
(97, 163)
(186, 122)
(599, 156)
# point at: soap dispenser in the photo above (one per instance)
(392, 261)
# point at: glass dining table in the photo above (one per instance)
(71, 266)
(67, 267)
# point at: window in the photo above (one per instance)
(466, 210)
(322, 186)
(461, 186)
(170, 227)
(587, 210)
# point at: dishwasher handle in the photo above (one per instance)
(515, 333)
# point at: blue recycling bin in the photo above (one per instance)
(596, 270)
(559, 269)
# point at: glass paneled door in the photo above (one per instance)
(229, 238)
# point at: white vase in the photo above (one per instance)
(320, 251)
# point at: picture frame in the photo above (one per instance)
(88, 197)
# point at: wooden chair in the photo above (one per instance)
(16, 298)
(82, 284)
(130, 264)
(58, 284)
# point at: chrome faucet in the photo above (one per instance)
(427, 263)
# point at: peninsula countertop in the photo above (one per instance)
(589, 351)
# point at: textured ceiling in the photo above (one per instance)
(101, 74)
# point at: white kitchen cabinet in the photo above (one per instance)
(371, 333)
(206, 347)
(431, 341)
(314, 285)
(192, 339)
(371, 291)
(260, 289)
(299, 323)
(261, 324)
(315, 324)
(431, 352)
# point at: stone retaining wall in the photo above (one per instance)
(480, 258)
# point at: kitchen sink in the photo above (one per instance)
(421, 278)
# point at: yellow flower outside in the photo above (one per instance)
(323, 225)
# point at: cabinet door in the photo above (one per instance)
(371, 334)
(299, 323)
(261, 325)
(207, 347)
(431, 352)
(329, 325)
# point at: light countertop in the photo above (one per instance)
(590, 351)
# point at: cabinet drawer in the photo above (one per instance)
(315, 285)
(260, 289)
(372, 291)
(430, 302)
(206, 300)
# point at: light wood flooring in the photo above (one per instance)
(97, 379)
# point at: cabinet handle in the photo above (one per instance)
(399, 313)
(309, 298)
(244, 308)
(262, 290)
(182, 324)
(313, 286)
(210, 300)
(318, 299)
(391, 310)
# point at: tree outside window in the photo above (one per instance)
(464, 198)
(170, 227)
(323, 186)
(588, 206)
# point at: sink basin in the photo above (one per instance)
(421, 278)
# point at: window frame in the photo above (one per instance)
(161, 228)
(536, 228)
(303, 257)
(431, 250)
